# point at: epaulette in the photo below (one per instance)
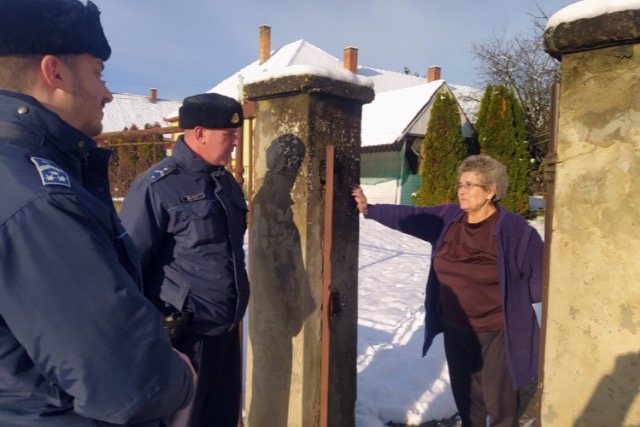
(50, 173)
(158, 174)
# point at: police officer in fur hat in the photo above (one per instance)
(80, 344)
(187, 217)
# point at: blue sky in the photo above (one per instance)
(188, 46)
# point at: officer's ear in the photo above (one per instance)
(199, 133)
(55, 73)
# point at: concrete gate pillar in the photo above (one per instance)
(297, 118)
(591, 356)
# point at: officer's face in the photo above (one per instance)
(219, 145)
(88, 94)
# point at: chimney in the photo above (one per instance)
(265, 43)
(153, 94)
(433, 73)
(351, 59)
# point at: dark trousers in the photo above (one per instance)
(218, 391)
(480, 379)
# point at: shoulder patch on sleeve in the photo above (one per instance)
(50, 173)
(161, 173)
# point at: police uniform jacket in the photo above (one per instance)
(79, 344)
(188, 220)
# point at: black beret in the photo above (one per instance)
(51, 27)
(210, 110)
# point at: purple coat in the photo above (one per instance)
(520, 255)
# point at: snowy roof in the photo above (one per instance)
(385, 120)
(303, 53)
(127, 109)
(384, 80)
(469, 99)
(399, 97)
(589, 9)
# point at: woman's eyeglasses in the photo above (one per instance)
(468, 186)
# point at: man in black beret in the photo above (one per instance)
(80, 345)
(187, 217)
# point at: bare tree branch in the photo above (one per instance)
(520, 63)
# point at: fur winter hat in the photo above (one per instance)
(210, 110)
(51, 27)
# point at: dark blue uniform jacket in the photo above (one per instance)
(188, 220)
(79, 344)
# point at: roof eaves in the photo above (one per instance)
(394, 146)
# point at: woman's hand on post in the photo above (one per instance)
(360, 198)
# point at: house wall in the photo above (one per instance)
(591, 360)
(385, 178)
(410, 186)
(381, 166)
(380, 176)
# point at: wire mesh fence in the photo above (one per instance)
(130, 159)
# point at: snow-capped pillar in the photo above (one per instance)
(591, 359)
(297, 117)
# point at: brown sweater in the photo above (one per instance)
(466, 265)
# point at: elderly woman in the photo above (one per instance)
(485, 273)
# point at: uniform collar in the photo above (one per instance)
(32, 117)
(183, 154)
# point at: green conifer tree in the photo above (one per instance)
(501, 135)
(481, 120)
(444, 148)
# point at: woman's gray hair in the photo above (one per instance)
(490, 171)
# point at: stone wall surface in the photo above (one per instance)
(592, 360)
